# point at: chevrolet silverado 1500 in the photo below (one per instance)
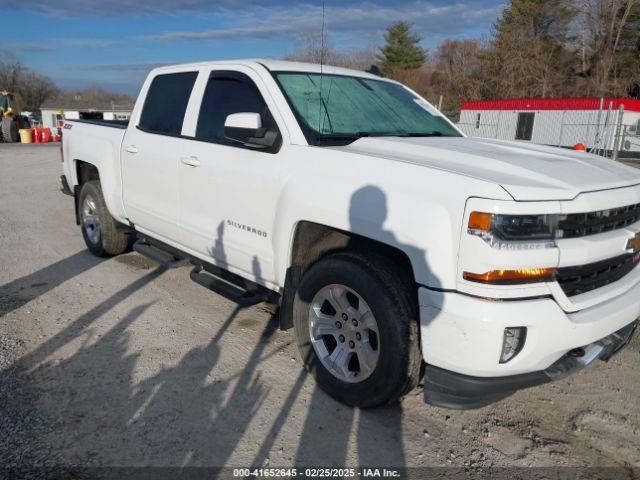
(395, 246)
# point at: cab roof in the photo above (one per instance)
(277, 66)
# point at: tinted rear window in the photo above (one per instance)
(166, 103)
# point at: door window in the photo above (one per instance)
(166, 103)
(227, 93)
(524, 130)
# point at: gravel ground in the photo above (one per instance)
(117, 363)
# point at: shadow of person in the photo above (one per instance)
(368, 213)
(178, 403)
(204, 415)
(217, 252)
(329, 428)
(80, 325)
(85, 394)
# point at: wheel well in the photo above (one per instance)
(312, 241)
(86, 172)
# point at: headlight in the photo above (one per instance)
(514, 232)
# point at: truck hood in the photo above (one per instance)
(527, 171)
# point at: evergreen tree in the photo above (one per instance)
(401, 50)
(529, 54)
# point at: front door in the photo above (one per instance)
(150, 154)
(524, 130)
(229, 192)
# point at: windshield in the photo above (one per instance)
(353, 107)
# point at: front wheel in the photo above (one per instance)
(357, 329)
(99, 228)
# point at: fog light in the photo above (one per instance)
(514, 338)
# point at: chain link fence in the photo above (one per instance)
(607, 132)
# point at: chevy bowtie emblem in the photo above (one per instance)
(634, 244)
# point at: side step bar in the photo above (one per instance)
(245, 298)
(231, 286)
(164, 258)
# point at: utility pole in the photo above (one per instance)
(616, 142)
(597, 140)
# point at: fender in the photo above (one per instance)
(104, 154)
(396, 210)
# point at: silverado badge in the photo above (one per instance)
(634, 244)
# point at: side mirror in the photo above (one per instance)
(246, 128)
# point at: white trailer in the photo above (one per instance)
(598, 123)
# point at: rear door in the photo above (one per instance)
(229, 192)
(150, 154)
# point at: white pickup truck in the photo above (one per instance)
(396, 247)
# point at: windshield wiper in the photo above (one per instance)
(352, 137)
(435, 133)
(341, 136)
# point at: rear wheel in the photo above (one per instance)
(357, 329)
(99, 228)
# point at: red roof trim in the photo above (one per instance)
(552, 104)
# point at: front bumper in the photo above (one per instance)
(447, 389)
(464, 334)
(462, 340)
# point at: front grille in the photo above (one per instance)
(582, 224)
(585, 278)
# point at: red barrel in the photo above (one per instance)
(46, 135)
(36, 135)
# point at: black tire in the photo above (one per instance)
(9, 130)
(110, 240)
(391, 297)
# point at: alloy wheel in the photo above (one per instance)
(344, 333)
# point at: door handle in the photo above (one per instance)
(191, 161)
(131, 149)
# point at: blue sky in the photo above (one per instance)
(114, 43)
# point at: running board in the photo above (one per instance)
(164, 258)
(243, 297)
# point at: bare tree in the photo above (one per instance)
(611, 52)
(10, 70)
(35, 89)
(31, 89)
(92, 96)
(309, 47)
(456, 73)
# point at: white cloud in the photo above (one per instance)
(28, 48)
(355, 21)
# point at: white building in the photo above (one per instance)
(594, 122)
(54, 114)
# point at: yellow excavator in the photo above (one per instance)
(9, 130)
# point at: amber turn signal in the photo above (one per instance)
(512, 277)
(480, 221)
